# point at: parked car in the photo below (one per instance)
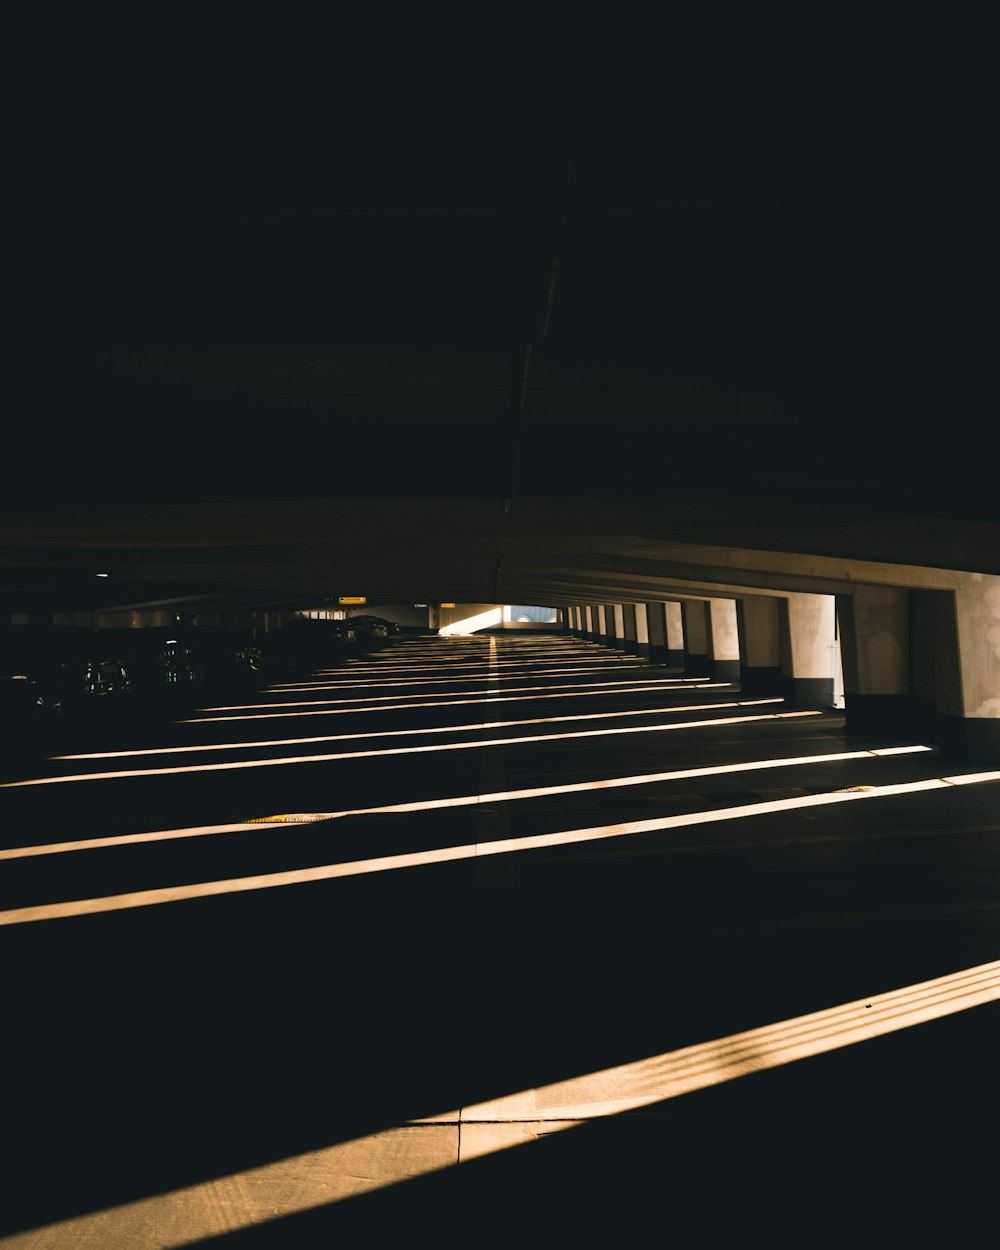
(58, 672)
(35, 680)
(170, 661)
(226, 655)
(374, 626)
(158, 661)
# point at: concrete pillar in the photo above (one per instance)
(605, 625)
(923, 688)
(696, 662)
(590, 618)
(760, 645)
(641, 630)
(875, 651)
(629, 641)
(808, 644)
(723, 640)
(674, 619)
(618, 626)
(656, 626)
(967, 670)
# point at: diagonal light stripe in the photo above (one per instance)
(594, 688)
(429, 681)
(414, 750)
(465, 800)
(406, 733)
(451, 854)
(189, 1216)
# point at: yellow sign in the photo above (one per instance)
(354, 599)
(449, 605)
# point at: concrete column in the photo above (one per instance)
(574, 616)
(875, 651)
(674, 618)
(808, 625)
(628, 626)
(656, 626)
(591, 625)
(923, 689)
(967, 670)
(723, 640)
(696, 662)
(605, 625)
(760, 645)
(641, 630)
(618, 626)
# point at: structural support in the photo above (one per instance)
(723, 640)
(605, 625)
(808, 628)
(696, 661)
(674, 619)
(877, 658)
(618, 626)
(967, 670)
(760, 645)
(628, 627)
(656, 629)
(641, 629)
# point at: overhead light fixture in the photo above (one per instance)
(352, 599)
(102, 574)
(448, 605)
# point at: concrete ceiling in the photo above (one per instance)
(561, 397)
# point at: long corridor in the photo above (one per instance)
(506, 939)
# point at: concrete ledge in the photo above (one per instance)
(726, 670)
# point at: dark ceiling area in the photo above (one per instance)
(444, 373)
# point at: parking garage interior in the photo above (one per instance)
(643, 875)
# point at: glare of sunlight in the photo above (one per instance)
(412, 733)
(465, 800)
(434, 681)
(422, 1147)
(413, 750)
(451, 854)
(593, 688)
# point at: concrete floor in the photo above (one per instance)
(499, 940)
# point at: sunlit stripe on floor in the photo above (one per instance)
(413, 750)
(263, 1194)
(431, 681)
(465, 800)
(452, 854)
(480, 658)
(632, 1086)
(434, 700)
(408, 733)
